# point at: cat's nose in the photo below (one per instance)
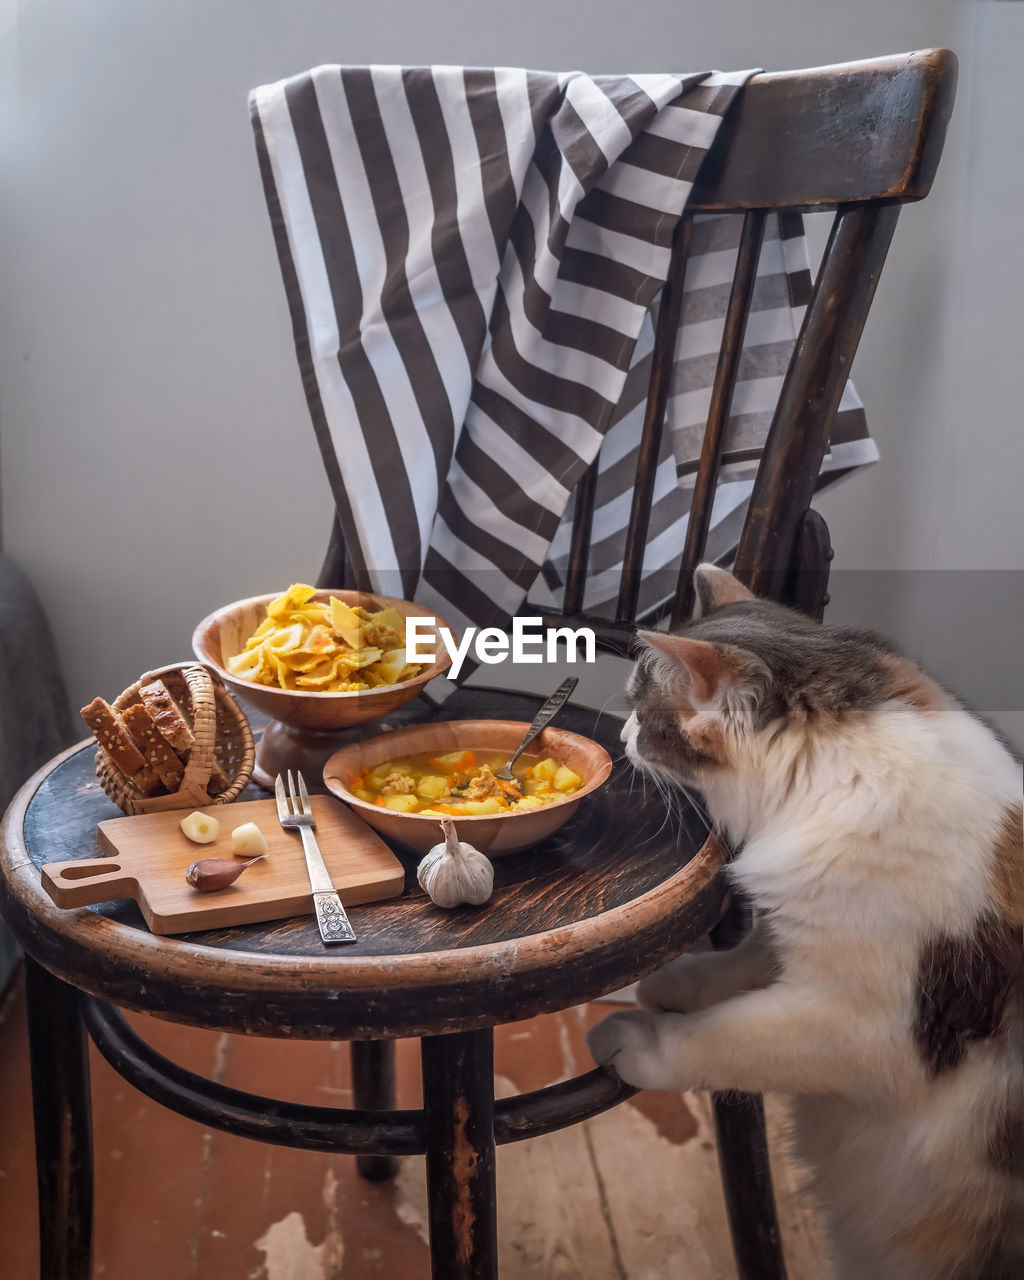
(628, 728)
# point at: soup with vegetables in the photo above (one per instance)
(463, 784)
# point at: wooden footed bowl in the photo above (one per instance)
(307, 726)
(493, 834)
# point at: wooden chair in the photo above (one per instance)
(563, 926)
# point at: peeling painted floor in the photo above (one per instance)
(630, 1195)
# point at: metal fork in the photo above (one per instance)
(330, 914)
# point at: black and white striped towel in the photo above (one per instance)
(472, 258)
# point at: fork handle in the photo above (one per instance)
(331, 919)
(319, 877)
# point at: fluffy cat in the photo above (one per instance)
(878, 829)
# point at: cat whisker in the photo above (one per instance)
(695, 804)
(666, 798)
(618, 694)
(673, 793)
(643, 775)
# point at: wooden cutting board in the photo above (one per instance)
(149, 854)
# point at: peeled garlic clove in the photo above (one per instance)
(199, 828)
(247, 841)
(210, 874)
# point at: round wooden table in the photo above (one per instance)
(611, 896)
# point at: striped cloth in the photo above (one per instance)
(473, 259)
(781, 292)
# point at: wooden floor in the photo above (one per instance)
(630, 1195)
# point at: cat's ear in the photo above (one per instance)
(717, 587)
(705, 668)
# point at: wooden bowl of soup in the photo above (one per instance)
(409, 751)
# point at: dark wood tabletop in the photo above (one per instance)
(615, 892)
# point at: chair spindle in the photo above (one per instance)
(579, 543)
(813, 387)
(710, 463)
(654, 419)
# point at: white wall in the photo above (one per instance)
(157, 457)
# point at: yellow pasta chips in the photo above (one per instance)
(305, 643)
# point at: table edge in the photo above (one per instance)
(197, 965)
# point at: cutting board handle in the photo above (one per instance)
(82, 882)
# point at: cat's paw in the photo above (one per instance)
(678, 987)
(628, 1042)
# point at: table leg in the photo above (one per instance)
(373, 1089)
(458, 1108)
(743, 1149)
(59, 1063)
(747, 1183)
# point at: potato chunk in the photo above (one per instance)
(404, 804)
(476, 808)
(432, 787)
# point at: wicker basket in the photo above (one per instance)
(222, 733)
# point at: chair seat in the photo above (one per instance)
(614, 893)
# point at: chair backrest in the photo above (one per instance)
(861, 139)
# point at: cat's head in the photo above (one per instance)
(747, 670)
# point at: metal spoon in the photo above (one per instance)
(543, 717)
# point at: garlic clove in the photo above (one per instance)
(210, 874)
(199, 828)
(248, 841)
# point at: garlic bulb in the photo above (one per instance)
(454, 872)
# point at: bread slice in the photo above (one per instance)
(154, 746)
(112, 734)
(170, 720)
(147, 780)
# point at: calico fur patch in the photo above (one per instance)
(811, 669)
(1006, 1143)
(950, 1234)
(670, 734)
(964, 986)
(663, 741)
(1008, 868)
(909, 684)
